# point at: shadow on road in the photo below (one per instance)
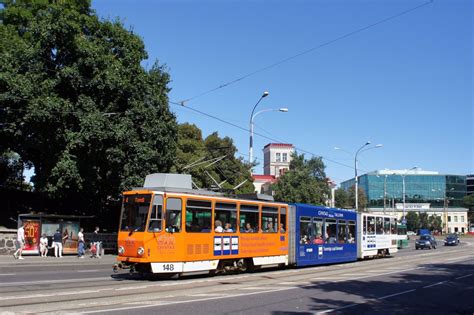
(448, 294)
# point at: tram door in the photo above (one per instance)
(307, 251)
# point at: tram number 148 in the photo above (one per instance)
(168, 267)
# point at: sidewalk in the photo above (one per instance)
(8, 260)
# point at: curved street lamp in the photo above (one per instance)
(356, 190)
(283, 109)
(265, 94)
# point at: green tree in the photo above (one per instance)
(77, 105)
(341, 198)
(304, 182)
(435, 223)
(424, 221)
(211, 161)
(413, 221)
(362, 199)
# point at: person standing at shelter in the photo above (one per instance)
(58, 244)
(20, 241)
(43, 245)
(80, 239)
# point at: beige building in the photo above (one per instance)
(277, 158)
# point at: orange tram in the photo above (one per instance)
(179, 230)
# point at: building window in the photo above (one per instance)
(449, 218)
(462, 218)
(278, 157)
(284, 157)
(456, 218)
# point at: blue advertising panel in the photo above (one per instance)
(325, 235)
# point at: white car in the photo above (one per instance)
(411, 233)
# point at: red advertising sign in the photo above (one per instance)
(32, 235)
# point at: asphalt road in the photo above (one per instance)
(437, 281)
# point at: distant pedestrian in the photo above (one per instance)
(20, 241)
(95, 246)
(81, 243)
(43, 245)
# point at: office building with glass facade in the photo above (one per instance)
(425, 191)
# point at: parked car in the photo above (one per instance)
(426, 241)
(411, 233)
(451, 239)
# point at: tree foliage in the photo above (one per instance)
(341, 198)
(211, 161)
(362, 199)
(304, 182)
(76, 103)
(413, 221)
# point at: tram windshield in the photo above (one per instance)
(135, 212)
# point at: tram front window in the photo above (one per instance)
(135, 212)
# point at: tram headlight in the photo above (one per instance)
(140, 251)
(121, 250)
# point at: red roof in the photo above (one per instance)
(265, 178)
(287, 145)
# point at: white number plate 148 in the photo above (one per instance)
(166, 267)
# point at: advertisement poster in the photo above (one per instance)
(49, 229)
(70, 229)
(32, 235)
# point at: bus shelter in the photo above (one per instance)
(39, 224)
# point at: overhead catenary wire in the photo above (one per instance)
(261, 135)
(305, 52)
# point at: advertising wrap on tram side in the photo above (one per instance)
(324, 235)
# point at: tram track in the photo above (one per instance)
(125, 289)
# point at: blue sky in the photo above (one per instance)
(406, 83)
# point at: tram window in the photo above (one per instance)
(386, 225)
(379, 225)
(395, 227)
(306, 230)
(198, 216)
(342, 231)
(248, 219)
(331, 231)
(269, 219)
(226, 213)
(371, 225)
(156, 214)
(282, 220)
(351, 232)
(135, 213)
(318, 227)
(173, 215)
(364, 225)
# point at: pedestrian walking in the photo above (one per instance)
(95, 246)
(81, 243)
(20, 241)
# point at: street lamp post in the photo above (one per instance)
(265, 94)
(356, 190)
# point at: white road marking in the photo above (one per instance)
(209, 294)
(456, 258)
(92, 270)
(336, 309)
(7, 274)
(462, 277)
(435, 284)
(131, 288)
(395, 294)
(9, 284)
